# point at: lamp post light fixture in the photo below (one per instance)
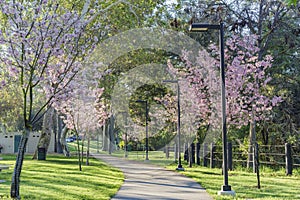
(147, 138)
(179, 166)
(198, 27)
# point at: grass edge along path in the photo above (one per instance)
(275, 185)
(58, 177)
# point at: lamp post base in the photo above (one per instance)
(226, 190)
(147, 157)
(180, 168)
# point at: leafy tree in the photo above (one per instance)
(83, 113)
(10, 108)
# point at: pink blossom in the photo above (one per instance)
(245, 76)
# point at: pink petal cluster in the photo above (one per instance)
(81, 103)
(246, 83)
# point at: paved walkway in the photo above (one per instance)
(144, 181)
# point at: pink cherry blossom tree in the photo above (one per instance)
(247, 80)
(81, 106)
(246, 83)
(42, 46)
(200, 94)
(247, 92)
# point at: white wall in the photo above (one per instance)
(51, 145)
(7, 142)
(32, 142)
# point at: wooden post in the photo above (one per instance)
(190, 159)
(288, 159)
(229, 155)
(253, 158)
(186, 152)
(205, 154)
(193, 152)
(212, 155)
(167, 151)
(256, 161)
(175, 152)
(198, 153)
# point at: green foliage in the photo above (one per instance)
(235, 133)
(162, 138)
(201, 133)
(127, 62)
(286, 80)
(146, 93)
(11, 108)
(292, 2)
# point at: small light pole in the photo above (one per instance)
(179, 166)
(147, 140)
(198, 27)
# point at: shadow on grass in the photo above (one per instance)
(60, 161)
(211, 173)
(58, 177)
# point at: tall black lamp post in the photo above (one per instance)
(147, 138)
(179, 166)
(198, 27)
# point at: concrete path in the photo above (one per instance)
(144, 181)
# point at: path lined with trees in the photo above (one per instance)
(45, 84)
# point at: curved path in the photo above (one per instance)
(149, 182)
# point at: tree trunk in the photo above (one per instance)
(47, 131)
(111, 135)
(54, 129)
(252, 141)
(78, 151)
(82, 146)
(15, 182)
(59, 148)
(99, 131)
(63, 142)
(88, 151)
(105, 137)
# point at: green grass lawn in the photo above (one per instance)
(59, 178)
(274, 184)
